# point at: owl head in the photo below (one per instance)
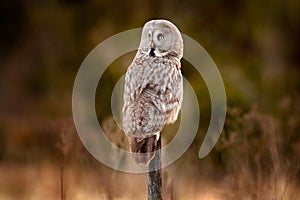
(161, 38)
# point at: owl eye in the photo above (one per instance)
(160, 37)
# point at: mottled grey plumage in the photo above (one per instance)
(153, 88)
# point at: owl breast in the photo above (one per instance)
(152, 95)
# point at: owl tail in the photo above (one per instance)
(143, 149)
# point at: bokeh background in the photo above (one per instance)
(255, 45)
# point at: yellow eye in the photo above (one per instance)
(160, 37)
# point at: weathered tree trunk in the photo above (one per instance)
(154, 175)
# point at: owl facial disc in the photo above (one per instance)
(161, 38)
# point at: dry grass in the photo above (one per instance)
(257, 157)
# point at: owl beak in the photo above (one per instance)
(152, 45)
(152, 49)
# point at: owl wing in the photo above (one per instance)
(171, 96)
(152, 96)
(143, 116)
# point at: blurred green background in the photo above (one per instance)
(255, 45)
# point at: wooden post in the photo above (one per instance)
(154, 175)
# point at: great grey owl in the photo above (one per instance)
(153, 88)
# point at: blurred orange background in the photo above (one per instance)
(255, 45)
